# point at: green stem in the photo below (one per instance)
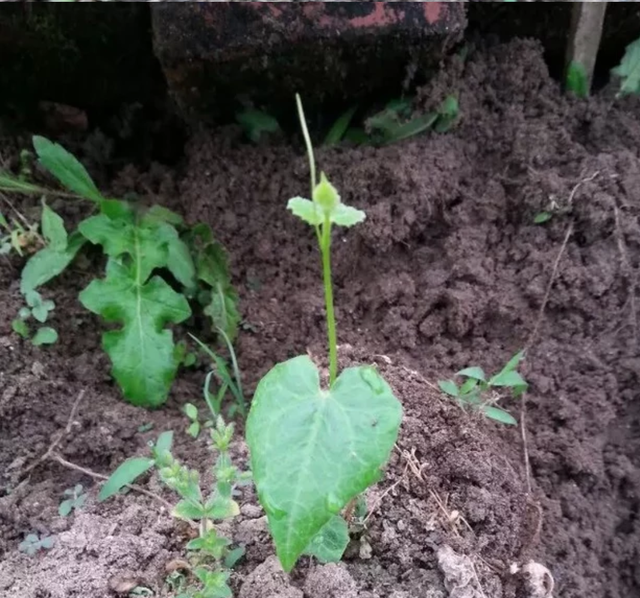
(325, 248)
(312, 160)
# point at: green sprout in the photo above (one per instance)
(314, 450)
(479, 393)
(76, 498)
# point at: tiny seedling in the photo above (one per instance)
(542, 217)
(38, 309)
(629, 70)
(314, 449)
(255, 123)
(140, 591)
(479, 393)
(191, 411)
(76, 498)
(228, 381)
(393, 123)
(33, 543)
(157, 268)
(210, 555)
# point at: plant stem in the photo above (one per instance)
(325, 249)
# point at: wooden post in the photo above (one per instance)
(587, 19)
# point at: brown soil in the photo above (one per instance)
(448, 271)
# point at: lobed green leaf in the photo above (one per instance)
(141, 352)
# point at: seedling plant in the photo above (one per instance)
(33, 543)
(76, 498)
(150, 252)
(478, 392)
(315, 449)
(210, 554)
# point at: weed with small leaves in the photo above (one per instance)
(76, 498)
(33, 543)
(482, 394)
(210, 554)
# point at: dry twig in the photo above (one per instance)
(51, 455)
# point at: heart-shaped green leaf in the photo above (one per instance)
(313, 450)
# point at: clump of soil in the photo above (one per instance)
(449, 270)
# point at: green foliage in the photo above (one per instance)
(129, 471)
(18, 235)
(542, 217)
(313, 450)
(218, 296)
(629, 70)
(255, 123)
(144, 247)
(39, 310)
(329, 544)
(227, 382)
(393, 123)
(33, 543)
(76, 499)
(339, 128)
(577, 80)
(479, 393)
(66, 168)
(210, 554)
(45, 336)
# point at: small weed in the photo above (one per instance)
(255, 123)
(479, 393)
(33, 543)
(191, 411)
(139, 243)
(145, 428)
(76, 499)
(629, 70)
(38, 309)
(187, 358)
(210, 555)
(227, 382)
(140, 591)
(393, 123)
